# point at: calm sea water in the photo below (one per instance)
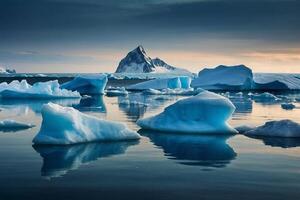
(159, 166)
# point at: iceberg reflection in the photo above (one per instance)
(200, 150)
(22, 106)
(58, 160)
(278, 141)
(135, 105)
(93, 103)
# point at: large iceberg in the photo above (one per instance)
(265, 81)
(87, 84)
(12, 125)
(206, 112)
(182, 82)
(224, 77)
(66, 125)
(40, 90)
(282, 128)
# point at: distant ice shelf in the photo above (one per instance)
(40, 90)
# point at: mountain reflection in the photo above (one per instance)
(58, 160)
(206, 151)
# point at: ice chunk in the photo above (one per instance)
(66, 125)
(87, 84)
(244, 128)
(12, 125)
(223, 77)
(58, 160)
(116, 92)
(178, 91)
(206, 112)
(40, 90)
(266, 96)
(282, 128)
(270, 81)
(163, 83)
(288, 106)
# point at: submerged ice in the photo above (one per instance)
(12, 125)
(66, 125)
(206, 112)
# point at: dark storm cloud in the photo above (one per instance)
(265, 19)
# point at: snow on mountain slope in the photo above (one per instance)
(137, 61)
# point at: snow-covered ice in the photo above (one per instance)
(40, 90)
(66, 125)
(87, 84)
(288, 106)
(282, 128)
(206, 112)
(224, 77)
(12, 125)
(182, 82)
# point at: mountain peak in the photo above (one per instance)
(137, 61)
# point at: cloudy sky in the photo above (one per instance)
(94, 35)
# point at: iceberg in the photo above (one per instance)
(12, 125)
(87, 84)
(265, 81)
(282, 128)
(177, 91)
(204, 113)
(40, 90)
(66, 125)
(264, 97)
(288, 106)
(59, 160)
(182, 82)
(223, 77)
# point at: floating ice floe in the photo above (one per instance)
(288, 106)
(182, 82)
(266, 96)
(224, 77)
(66, 125)
(12, 125)
(87, 84)
(116, 92)
(178, 91)
(282, 128)
(40, 90)
(265, 81)
(206, 112)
